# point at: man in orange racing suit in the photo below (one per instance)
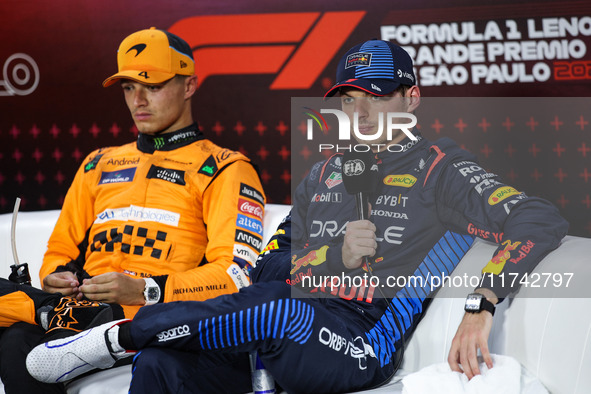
(170, 217)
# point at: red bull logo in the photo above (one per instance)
(496, 264)
(271, 246)
(315, 257)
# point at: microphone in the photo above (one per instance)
(360, 177)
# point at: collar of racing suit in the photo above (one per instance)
(169, 141)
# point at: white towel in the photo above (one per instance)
(504, 377)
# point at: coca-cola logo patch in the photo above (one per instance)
(250, 208)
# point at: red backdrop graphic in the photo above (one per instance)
(253, 56)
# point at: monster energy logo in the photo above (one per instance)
(158, 142)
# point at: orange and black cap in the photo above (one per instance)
(152, 56)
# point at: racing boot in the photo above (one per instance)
(66, 358)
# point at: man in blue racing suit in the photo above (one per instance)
(315, 336)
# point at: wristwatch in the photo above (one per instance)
(151, 291)
(476, 302)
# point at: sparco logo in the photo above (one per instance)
(353, 167)
(174, 333)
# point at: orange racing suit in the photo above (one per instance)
(176, 208)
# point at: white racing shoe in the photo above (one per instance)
(63, 359)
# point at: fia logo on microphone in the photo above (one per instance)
(353, 167)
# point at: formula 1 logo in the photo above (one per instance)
(295, 46)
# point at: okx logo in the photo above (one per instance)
(295, 46)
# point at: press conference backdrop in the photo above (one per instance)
(254, 55)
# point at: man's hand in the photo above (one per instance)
(62, 282)
(114, 287)
(472, 335)
(360, 240)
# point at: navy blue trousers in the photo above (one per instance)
(304, 343)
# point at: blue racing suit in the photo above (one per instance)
(317, 336)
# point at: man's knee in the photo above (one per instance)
(20, 338)
(149, 359)
(15, 343)
(158, 370)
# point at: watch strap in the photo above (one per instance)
(486, 305)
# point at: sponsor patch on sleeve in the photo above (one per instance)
(91, 165)
(497, 263)
(249, 239)
(245, 253)
(238, 276)
(271, 246)
(315, 257)
(250, 208)
(209, 167)
(252, 193)
(250, 224)
(502, 193)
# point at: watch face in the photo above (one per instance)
(473, 303)
(153, 294)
